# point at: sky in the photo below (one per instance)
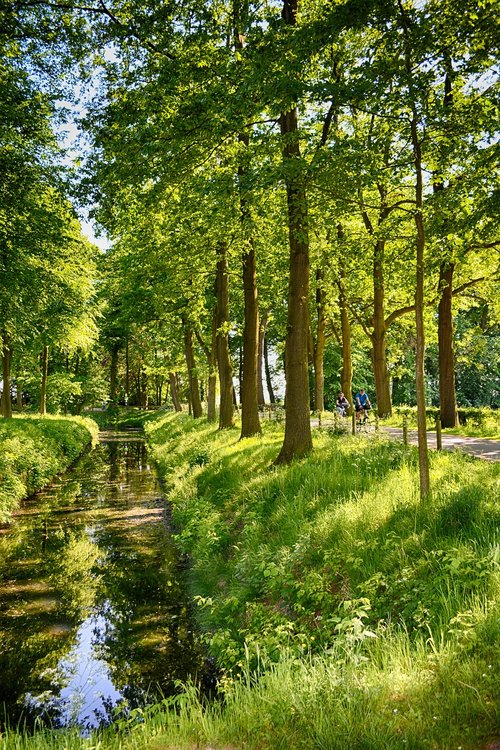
(70, 139)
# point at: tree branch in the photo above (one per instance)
(462, 287)
(398, 314)
(101, 10)
(366, 218)
(483, 246)
(335, 332)
(326, 125)
(203, 345)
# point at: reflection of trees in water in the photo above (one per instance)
(79, 553)
(151, 643)
(73, 576)
(114, 467)
(50, 598)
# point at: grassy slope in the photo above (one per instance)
(373, 619)
(322, 555)
(33, 450)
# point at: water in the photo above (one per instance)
(94, 616)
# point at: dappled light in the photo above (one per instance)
(249, 375)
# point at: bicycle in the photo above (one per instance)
(364, 423)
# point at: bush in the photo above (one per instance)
(472, 416)
(34, 450)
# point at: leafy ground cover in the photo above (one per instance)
(33, 450)
(342, 611)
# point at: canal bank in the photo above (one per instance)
(94, 615)
(343, 612)
(34, 449)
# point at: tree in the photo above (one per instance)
(297, 441)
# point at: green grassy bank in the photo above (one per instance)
(481, 422)
(343, 612)
(33, 450)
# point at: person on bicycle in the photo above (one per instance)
(362, 403)
(342, 404)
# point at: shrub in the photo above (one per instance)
(35, 449)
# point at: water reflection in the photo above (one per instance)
(93, 612)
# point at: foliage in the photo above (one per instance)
(473, 420)
(68, 393)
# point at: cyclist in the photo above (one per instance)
(342, 404)
(362, 404)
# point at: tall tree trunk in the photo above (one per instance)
(269, 383)
(113, 384)
(223, 354)
(6, 367)
(260, 358)
(174, 391)
(423, 454)
(211, 355)
(298, 440)
(447, 392)
(319, 347)
(127, 368)
(240, 371)
(212, 371)
(345, 331)
(250, 423)
(144, 390)
(380, 371)
(379, 334)
(19, 395)
(419, 323)
(194, 386)
(45, 372)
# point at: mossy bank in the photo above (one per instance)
(33, 450)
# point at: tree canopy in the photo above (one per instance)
(284, 185)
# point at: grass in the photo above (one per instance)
(33, 450)
(475, 422)
(342, 611)
(489, 431)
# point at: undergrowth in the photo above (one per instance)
(33, 450)
(480, 422)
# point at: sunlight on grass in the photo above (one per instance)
(343, 612)
(34, 449)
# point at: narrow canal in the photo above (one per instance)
(94, 616)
